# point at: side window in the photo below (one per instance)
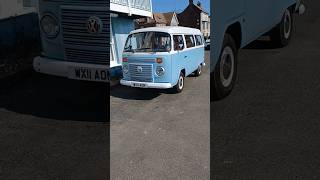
(199, 40)
(190, 41)
(178, 42)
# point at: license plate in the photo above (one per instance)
(140, 85)
(88, 74)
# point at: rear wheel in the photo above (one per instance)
(180, 84)
(281, 34)
(225, 72)
(198, 72)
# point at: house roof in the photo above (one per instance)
(163, 18)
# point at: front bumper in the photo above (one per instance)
(146, 85)
(61, 68)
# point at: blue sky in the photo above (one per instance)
(176, 5)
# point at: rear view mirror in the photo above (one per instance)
(180, 46)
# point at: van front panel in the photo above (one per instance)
(74, 42)
(142, 67)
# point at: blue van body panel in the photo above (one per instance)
(150, 59)
(173, 63)
(256, 17)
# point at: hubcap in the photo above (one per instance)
(180, 82)
(287, 24)
(227, 66)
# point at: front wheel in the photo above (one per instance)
(180, 84)
(225, 72)
(281, 34)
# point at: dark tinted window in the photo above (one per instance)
(190, 41)
(178, 42)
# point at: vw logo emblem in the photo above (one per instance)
(94, 25)
(139, 69)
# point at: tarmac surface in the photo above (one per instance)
(52, 128)
(156, 134)
(268, 128)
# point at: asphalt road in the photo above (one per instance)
(156, 134)
(52, 128)
(268, 128)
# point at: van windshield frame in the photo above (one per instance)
(149, 41)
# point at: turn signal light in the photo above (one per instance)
(124, 59)
(159, 60)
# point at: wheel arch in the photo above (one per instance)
(235, 30)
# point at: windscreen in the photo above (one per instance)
(148, 42)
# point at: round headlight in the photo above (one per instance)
(160, 71)
(125, 69)
(49, 25)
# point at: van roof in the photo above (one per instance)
(170, 30)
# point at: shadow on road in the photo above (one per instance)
(261, 44)
(54, 98)
(130, 93)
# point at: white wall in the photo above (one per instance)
(205, 24)
(9, 8)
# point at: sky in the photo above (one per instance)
(176, 5)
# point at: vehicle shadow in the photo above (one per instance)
(131, 93)
(262, 43)
(54, 98)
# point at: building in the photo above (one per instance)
(194, 16)
(158, 19)
(12, 8)
(123, 14)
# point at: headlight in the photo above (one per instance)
(49, 25)
(125, 69)
(160, 71)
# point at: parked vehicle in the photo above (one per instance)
(161, 57)
(207, 47)
(239, 22)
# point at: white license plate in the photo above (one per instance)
(88, 74)
(139, 85)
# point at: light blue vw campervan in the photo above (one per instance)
(161, 57)
(236, 23)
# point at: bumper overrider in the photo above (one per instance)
(146, 84)
(87, 72)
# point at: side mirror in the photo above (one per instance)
(168, 48)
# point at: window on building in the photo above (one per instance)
(178, 42)
(199, 41)
(189, 41)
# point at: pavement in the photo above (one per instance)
(53, 128)
(156, 134)
(268, 128)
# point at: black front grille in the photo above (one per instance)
(80, 45)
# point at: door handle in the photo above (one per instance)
(185, 56)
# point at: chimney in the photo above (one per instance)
(199, 4)
(190, 1)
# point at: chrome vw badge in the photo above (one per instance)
(94, 25)
(139, 69)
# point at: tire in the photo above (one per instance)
(225, 73)
(198, 72)
(281, 34)
(180, 84)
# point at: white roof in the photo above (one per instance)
(170, 30)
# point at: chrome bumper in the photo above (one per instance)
(146, 84)
(59, 68)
